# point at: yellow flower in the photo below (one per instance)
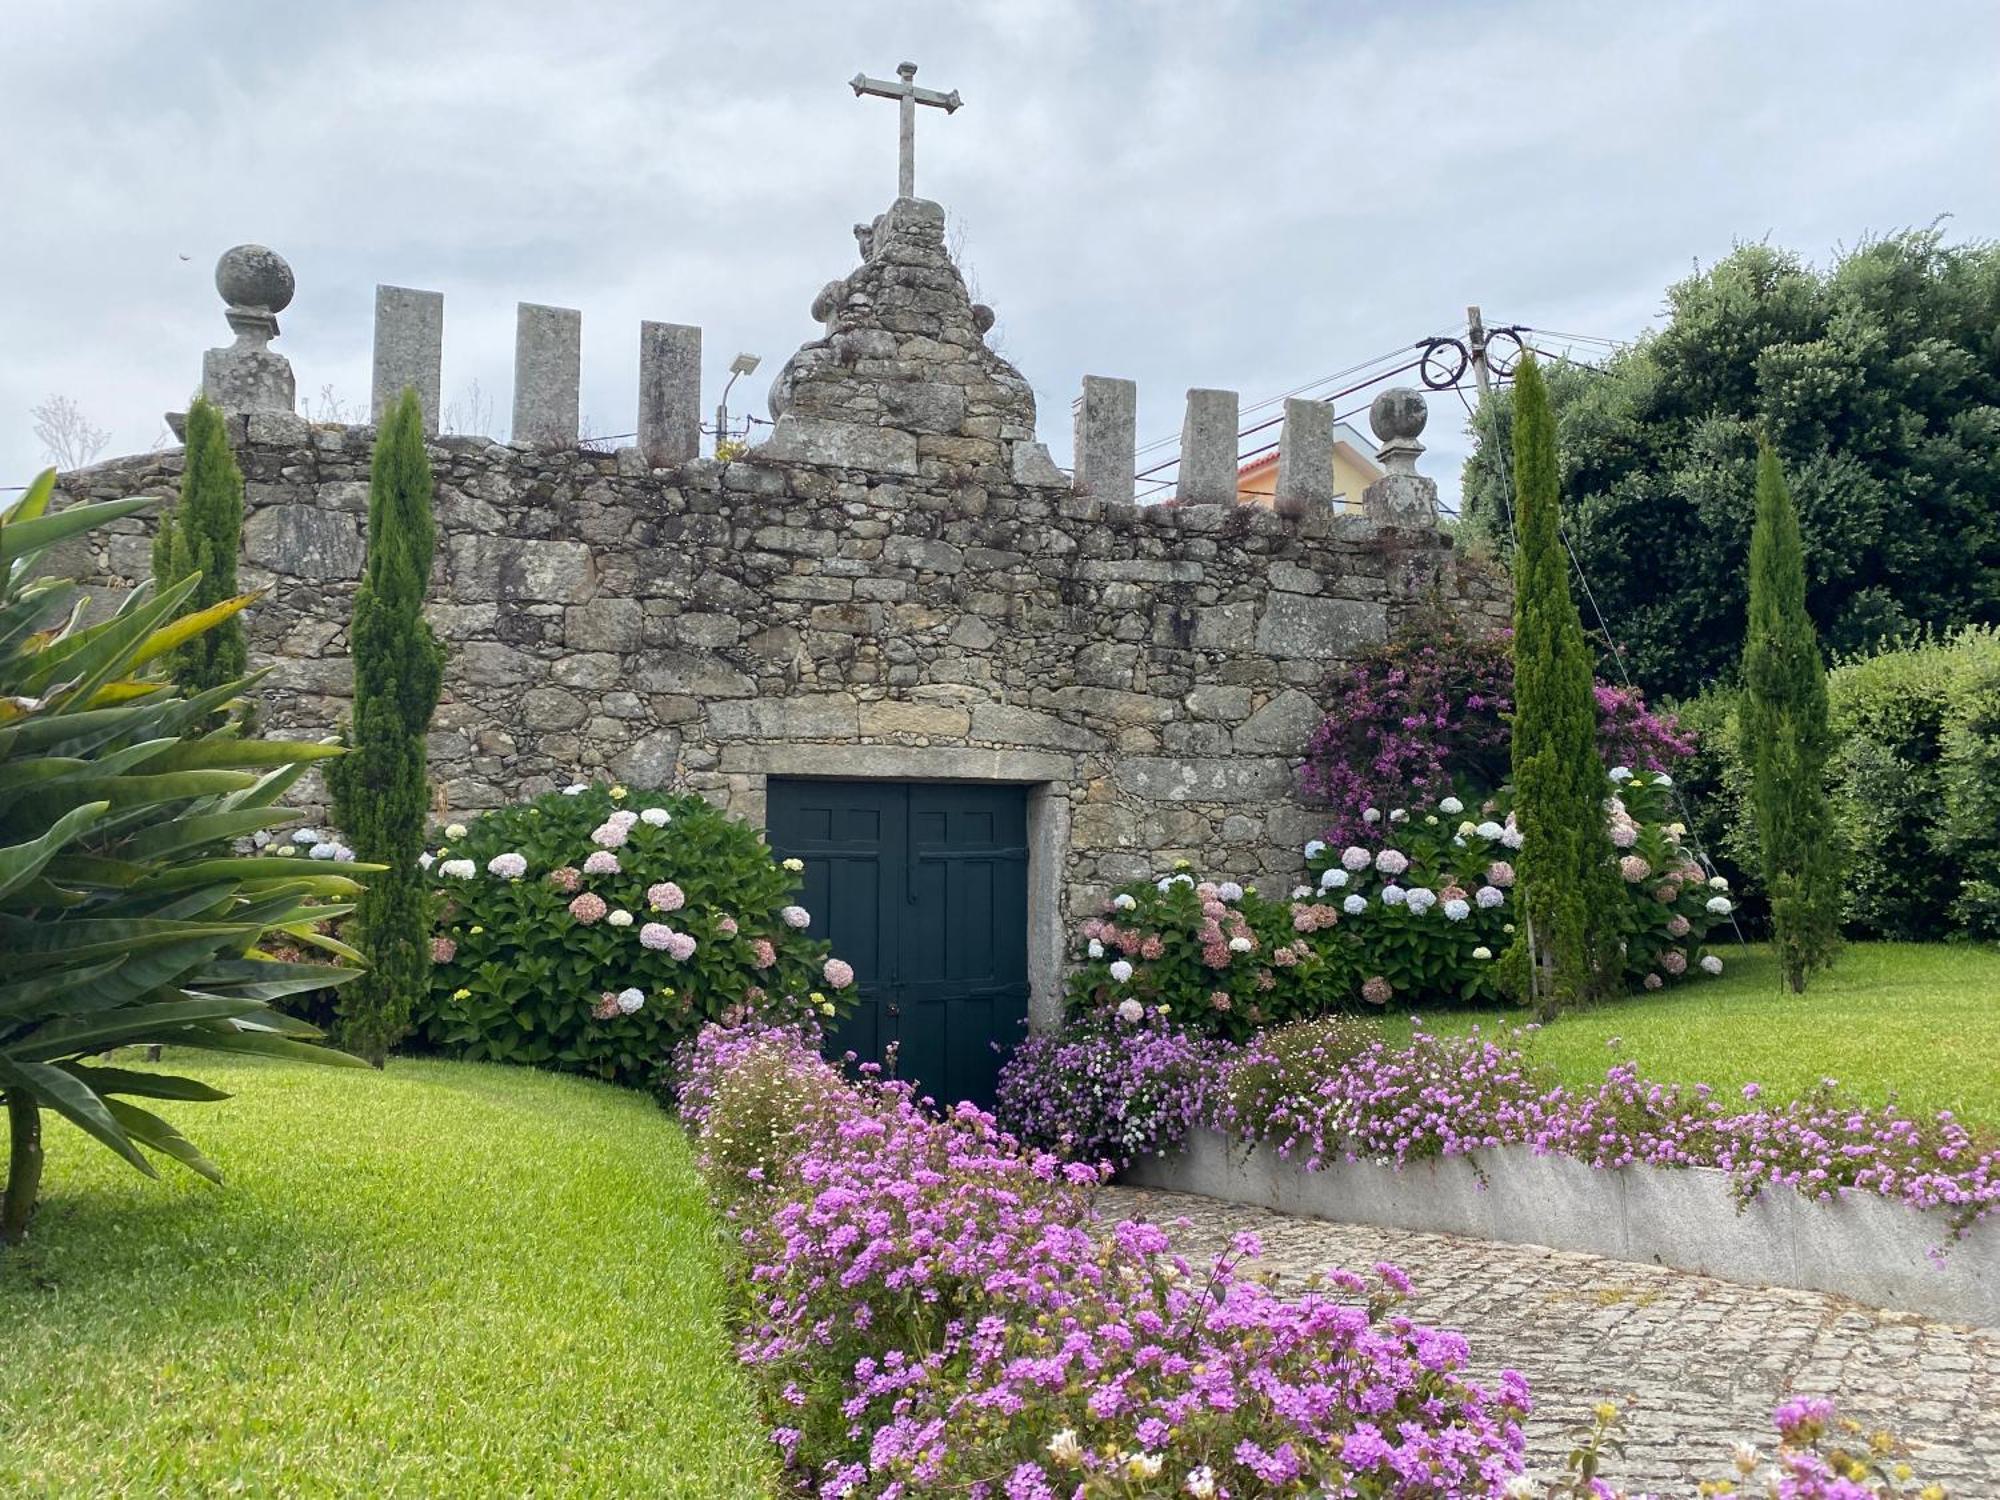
(1183, 864)
(817, 998)
(1605, 1412)
(826, 1007)
(618, 794)
(795, 865)
(475, 931)
(461, 994)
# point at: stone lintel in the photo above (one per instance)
(409, 350)
(898, 763)
(844, 445)
(548, 370)
(1207, 474)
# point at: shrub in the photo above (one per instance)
(1428, 902)
(200, 538)
(1105, 1089)
(590, 929)
(1427, 713)
(122, 921)
(380, 791)
(1215, 957)
(1913, 777)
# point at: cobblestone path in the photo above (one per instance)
(1701, 1362)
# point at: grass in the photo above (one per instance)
(445, 1279)
(1917, 1022)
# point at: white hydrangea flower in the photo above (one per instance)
(1451, 807)
(454, 830)
(1621, 774)
(1511, 837)
(575, 789)
(631, 1001)
(1489, 830)
(509, 866)
(1121, 971)
(1240, 945)
(1456, 910)
(1371, 814)
(1482, 951)
(1315, 848)
(1710, 964)
(1354, 857)
(619, 918)
(1229, 891)
(1096, 949)
(1397, 815)
(1130, 1011)
(426, 860)
(458, 869)
(260, 838)
(1333, 878)
(342, 854)
(1354, 905)
(1661, 778)
(1720, 905)
(1489, 896)
(307, 836)
(655, 817)
(1123, 901)
(1718, 882)
(324, 849)
(1301, 892)
(1422, 900)
(1394, 895)
(1392, 861)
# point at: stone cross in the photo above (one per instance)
(909, 96)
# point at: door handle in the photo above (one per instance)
(894, 1009)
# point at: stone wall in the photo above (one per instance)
(718, 623)
(898, 584)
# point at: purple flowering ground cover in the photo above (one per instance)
(930, 1308)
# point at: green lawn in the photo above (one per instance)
(1919, 1021)
(445, 1279)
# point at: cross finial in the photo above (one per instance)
(908, 96)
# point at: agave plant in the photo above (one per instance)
(125, 917)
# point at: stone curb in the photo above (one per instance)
(1862, 1246)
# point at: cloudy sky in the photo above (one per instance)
(1244, 195)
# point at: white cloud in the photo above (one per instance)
(1186, 194)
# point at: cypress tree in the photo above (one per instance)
(203, 534)
(1784, 738)
(380, 795)
(1569, 891)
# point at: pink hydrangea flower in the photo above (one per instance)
(1677, 925)
(666, 896)
(567, 878)
(588, 907)
(606, 1006)
(1634, 869)
(1674, 961)
(1376, 990)
(727, 926)
(1666, 893)
(601, 862)
(443, 950)
(680, 946)
(762, 954)
(654, 935)
(609, 835)
(1500, 873)
(796, 916)
(837, 974)
(509, 866)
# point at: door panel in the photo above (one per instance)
(923, 889)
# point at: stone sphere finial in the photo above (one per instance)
(1398, 415)
(252, 276)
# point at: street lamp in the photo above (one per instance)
(743, 364)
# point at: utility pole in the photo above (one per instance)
(1476, 339)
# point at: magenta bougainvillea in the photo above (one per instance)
(1428, 713)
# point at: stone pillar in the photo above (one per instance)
(1208, 449)
(256, 285)
(1305, 456)
(409, 350)
(669, 393)
(1107, 435)
(1402, 497)
(548, 367)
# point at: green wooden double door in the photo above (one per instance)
(923, 888)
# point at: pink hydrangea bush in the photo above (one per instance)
(690, 913)
(930, 1309)
(1428, 901)
(1214, 957)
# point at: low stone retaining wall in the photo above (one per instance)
(1862, 1246)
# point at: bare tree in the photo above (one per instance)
(330, 407)
(66, 434)
(469, 414)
